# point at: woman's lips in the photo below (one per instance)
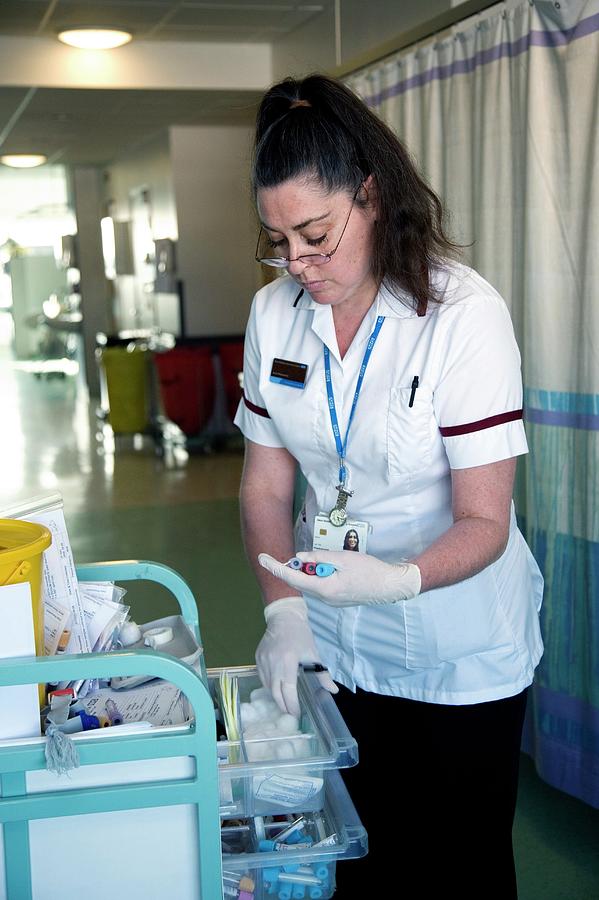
(313, 285)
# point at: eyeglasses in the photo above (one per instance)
(308, 259)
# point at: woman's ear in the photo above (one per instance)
(369, 195)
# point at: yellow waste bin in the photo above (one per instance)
(21, 548)
(125, 369)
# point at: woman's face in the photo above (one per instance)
(352, 540)
(301, 217)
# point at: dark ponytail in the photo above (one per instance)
(319, 129)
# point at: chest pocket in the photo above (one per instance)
(409, 435)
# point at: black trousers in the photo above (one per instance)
(436, 790)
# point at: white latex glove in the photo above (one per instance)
(287, 642)
(359, 579)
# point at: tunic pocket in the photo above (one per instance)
(450, 623)
(421, 639)
(468, 618)
(409, 439)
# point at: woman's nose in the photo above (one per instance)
(296, 267)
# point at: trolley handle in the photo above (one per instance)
(144, 570)
(43, 669)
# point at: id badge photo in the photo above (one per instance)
(352, 535)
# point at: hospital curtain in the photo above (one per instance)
(502, 115)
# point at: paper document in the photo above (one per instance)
(56, 619)
(19, 705)
(160, 703)
(99, 608)
(60, 579)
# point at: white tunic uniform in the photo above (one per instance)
(474, 641)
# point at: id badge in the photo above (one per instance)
(353, 535)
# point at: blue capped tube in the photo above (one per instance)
(323, 570)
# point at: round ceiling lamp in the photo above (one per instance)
(95, 38)
(23, 160)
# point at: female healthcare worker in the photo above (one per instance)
(389, 372)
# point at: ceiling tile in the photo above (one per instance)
(136, 17)
(96, 126)
(18, 17)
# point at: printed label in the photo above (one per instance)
(287, 791)
(282, 848)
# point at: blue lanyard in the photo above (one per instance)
(342, 447)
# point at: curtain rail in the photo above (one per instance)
(413, 36)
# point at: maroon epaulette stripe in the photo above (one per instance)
(259, 410)
(454, 430)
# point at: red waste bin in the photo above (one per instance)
(231, 360)
(187, 387)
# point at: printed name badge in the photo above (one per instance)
(289, 373)
(352, 535)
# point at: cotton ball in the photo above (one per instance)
(284, 750)
(256, 752)
(129, 634)
(261, 708)
(269, 729)
(287, 724)
(271, 708)
(248, 714)
(260, 693)
(265, 751)
(253, 730)
(301, 749)
(272, 718)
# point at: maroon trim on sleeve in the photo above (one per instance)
(259, 410)
(454, 430)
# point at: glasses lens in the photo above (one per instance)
(270, 255)
(314, 259)
(277, 262)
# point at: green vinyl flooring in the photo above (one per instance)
(202, 542)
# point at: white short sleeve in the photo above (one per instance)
(252, 417)
(478, 397)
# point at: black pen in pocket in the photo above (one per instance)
(415, 382)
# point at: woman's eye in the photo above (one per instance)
(315, 242)
(274, 244)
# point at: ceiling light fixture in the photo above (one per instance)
(23, 160)
(95, 38)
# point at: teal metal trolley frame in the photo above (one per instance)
(17, 808)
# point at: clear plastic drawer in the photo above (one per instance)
(290, 772)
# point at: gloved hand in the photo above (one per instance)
(359, 579)
(287, 642)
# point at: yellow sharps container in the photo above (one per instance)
(21, 547)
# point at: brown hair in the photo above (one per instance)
(318, 128)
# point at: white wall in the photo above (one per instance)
(146, 167)
(309, 48)
(95, 301)
(198, 179)
(45, 62)
(363, 27)
(217, 230)
(366, 25)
